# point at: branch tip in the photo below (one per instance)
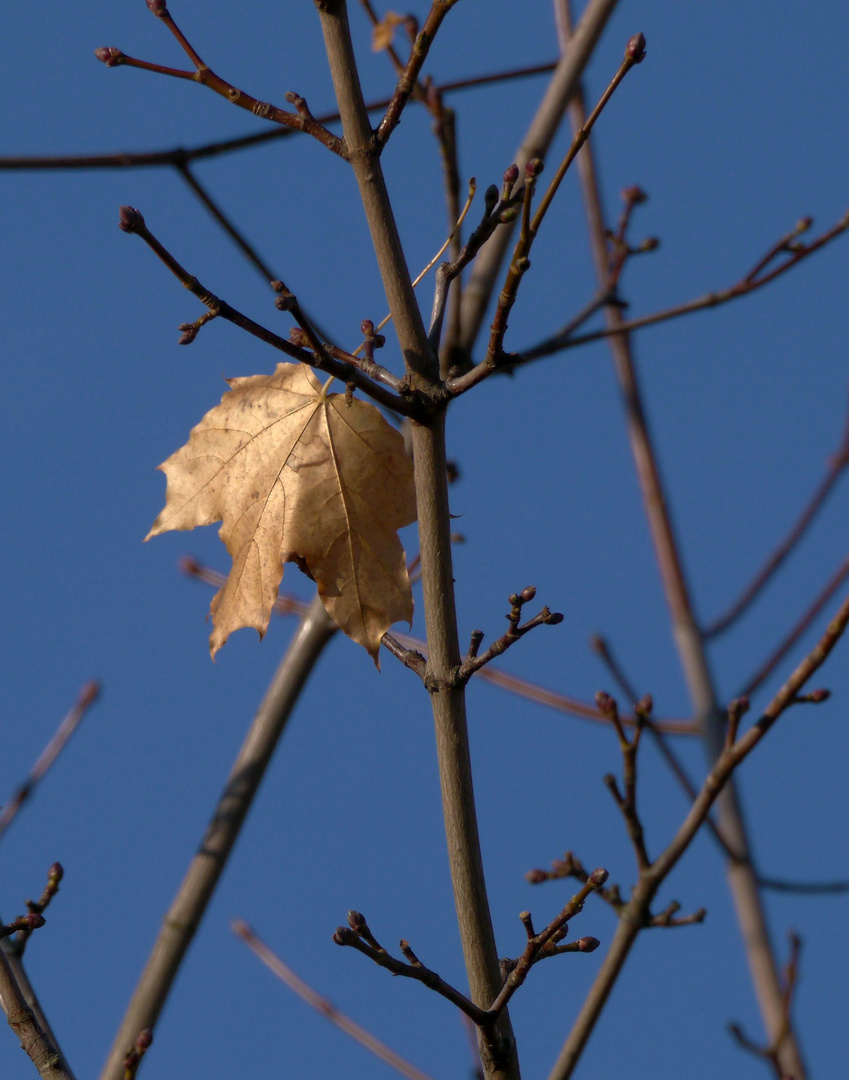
(110, 56)
(635, 50)
(130, 220)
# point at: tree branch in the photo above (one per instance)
(189, 905)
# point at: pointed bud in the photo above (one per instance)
(635, 50)
(511, 175)
(528, 594)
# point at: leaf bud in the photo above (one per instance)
(533, 168)
(411, 27)
(158, 7)
(644, 706)
(508, 215)
(32, 921)
(357, 921)
(651, 243)
(130, 220)
(511, 175)
(144, 1040)
(605, 702)
(553, 618)
(633, 195)
(536, 877)
(598, 877)
(344, 936)
(490, 199)
(298, 337)
(528, 594)
(635, 50)
(109, 55)
(587, 944)
(56, 873)
(367, 328)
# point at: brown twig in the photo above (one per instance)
(289, 605)
(547, 941)
(632, 915)
(790, 975)
(535, 143)
(627, 802)
(774, 659)
(132, 222)
(357, 935)
(160, 158)
(520, 261)
(836, 465)
(87, 696)
(691, 649)
(474, 661)
(321, 1004)
(301, 120)
(409, 76)
(566, 339)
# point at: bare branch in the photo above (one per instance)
(189, 905)
(133, 222)
(322, 1005)
(87, 696)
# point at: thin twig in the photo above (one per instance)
(357, 935)
(133, 222)
(289, 605)
(322, 1005)
(301, 120)
(741, 872)
(409, 76)
(520, 261)
(220, 147)
(632, 915)
(777, 655)
(836, 466)
(567, 339)
(537, 139)
(87, 696)
(187, 909)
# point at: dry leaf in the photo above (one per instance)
(295, 474)
(383, 32)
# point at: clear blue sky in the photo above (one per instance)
(736, 127)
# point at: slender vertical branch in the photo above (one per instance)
(189, 905)
(497, 1046)
(742, 876)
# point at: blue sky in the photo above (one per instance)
(736, 127)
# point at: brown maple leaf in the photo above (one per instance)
(296, 474)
